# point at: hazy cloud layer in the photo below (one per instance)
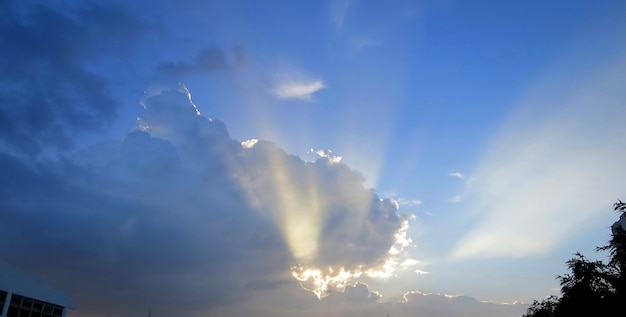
(358, 300)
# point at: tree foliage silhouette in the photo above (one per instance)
(591, 285)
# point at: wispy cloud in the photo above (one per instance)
(291, 82)
(457, 175)
(361, 41)
(338, 10)
(297, 89)
(408, 202)
(456, 198)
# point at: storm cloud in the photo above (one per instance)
(48, 91)
(179, 212)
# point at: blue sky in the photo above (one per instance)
(308, 157)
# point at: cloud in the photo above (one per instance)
(208, 60)
(556, 166)
(408, 202)
(241, 58)
(457, 175)
(334, 241)
(352, 34)
(289, 82)
(297, 89)
(328, 154)
(359, 300)
(456, 199)
(357, 293)
(180, 217)
(360, 42)
(338, 10)
(48, 92)
(456, 305)
(249, 143)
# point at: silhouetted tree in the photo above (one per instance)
(617, 257)
(591, 285)
(586, 286)
(544, 308)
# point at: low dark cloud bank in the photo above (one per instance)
(47, 92)
(164, 217)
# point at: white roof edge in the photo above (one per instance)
(20, 283)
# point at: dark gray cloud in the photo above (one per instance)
(47, 92)
(176, 216)
(358, 293)
(61, 64)
(358, 300)
(208, 60)
(170, 216)
(241, 58)
(446, 305)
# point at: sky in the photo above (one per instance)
(307, 158)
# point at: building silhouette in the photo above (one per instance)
(24, 296)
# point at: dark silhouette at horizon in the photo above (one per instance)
(591, 285)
